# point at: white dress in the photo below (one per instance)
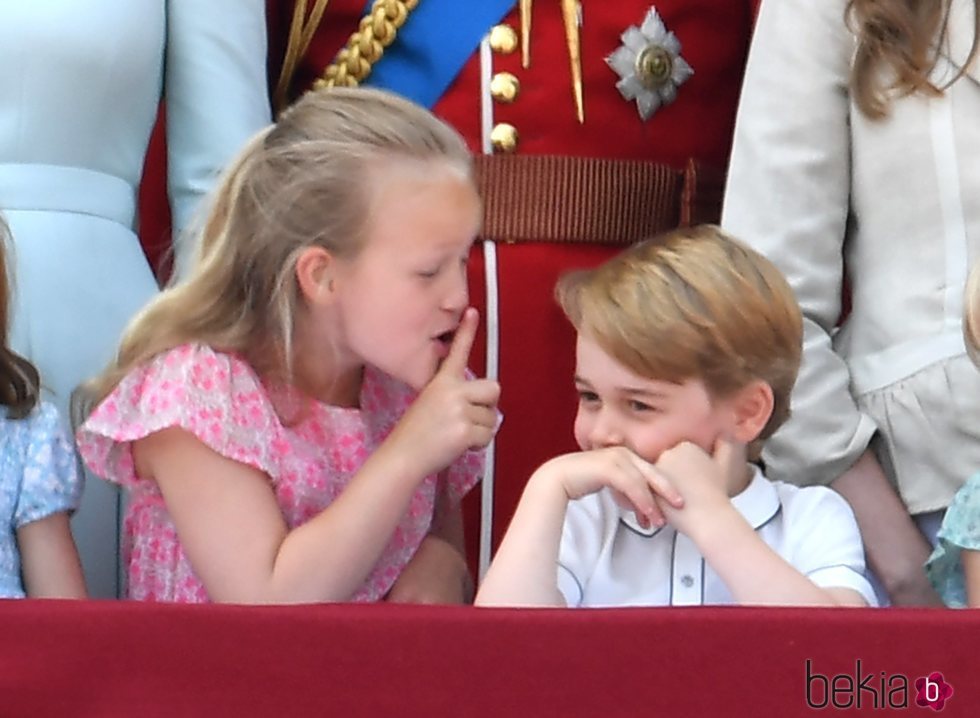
(80, 84)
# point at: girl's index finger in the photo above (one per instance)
(459, 351)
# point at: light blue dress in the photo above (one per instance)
(38, 477)
(80, 84)
(960, 530)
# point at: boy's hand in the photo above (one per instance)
(452, 413)
(702, 480)
(635, 483)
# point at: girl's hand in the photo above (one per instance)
(703, 480)
(635, 483)
(437, 574)
(453, 413)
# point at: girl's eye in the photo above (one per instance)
(587, 397)
(428, 274)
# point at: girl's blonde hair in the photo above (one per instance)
(903, 38)
(971, 315)
(304, 181)
(20, 384)
(693, 304)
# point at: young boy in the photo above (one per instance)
(688, 347)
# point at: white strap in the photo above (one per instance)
(491, 320)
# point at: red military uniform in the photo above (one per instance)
(536, 352)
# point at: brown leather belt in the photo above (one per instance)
(542, 198)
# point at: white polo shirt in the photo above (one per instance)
(607, 559)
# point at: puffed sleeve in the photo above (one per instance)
(51, 482)
(216, 95)
(214, 396)
(788, 196)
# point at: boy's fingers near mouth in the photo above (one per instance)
(660, 482)
(729, 455)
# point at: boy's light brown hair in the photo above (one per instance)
(693, 304)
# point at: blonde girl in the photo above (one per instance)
(294, 421)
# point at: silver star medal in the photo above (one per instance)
(650, 65)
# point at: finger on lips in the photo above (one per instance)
(459, 350)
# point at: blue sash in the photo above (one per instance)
(432, 46)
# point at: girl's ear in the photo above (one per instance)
(751, 407)
(315, 270)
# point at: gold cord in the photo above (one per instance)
(365, 47)
(301, 31)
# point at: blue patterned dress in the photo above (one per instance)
(960, 530)
(38, 477)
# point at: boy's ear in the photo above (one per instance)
(315, 270)
(751, 406)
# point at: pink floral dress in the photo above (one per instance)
(309, 460)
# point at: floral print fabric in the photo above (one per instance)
(309, 451)
(960, 530)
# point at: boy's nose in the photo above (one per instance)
(605, 432)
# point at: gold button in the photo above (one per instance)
(503, 39)
(654, 66)
(504, 87)
(504, 137)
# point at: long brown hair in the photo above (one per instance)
(301, 182)
(19, 381)
(902, 38)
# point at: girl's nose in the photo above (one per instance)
(457, 294)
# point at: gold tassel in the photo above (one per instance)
(301, 31)
(570, 12)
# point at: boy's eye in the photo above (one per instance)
(635, 405)
(587, 397)
(428, 273)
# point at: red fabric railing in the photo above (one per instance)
(129, 659)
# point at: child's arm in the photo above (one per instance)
(232, 529)
(438, 572)
(230, 524)
(524, 570)
(894, 546)
(750, 568)
(49, 559)
(971, 572)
